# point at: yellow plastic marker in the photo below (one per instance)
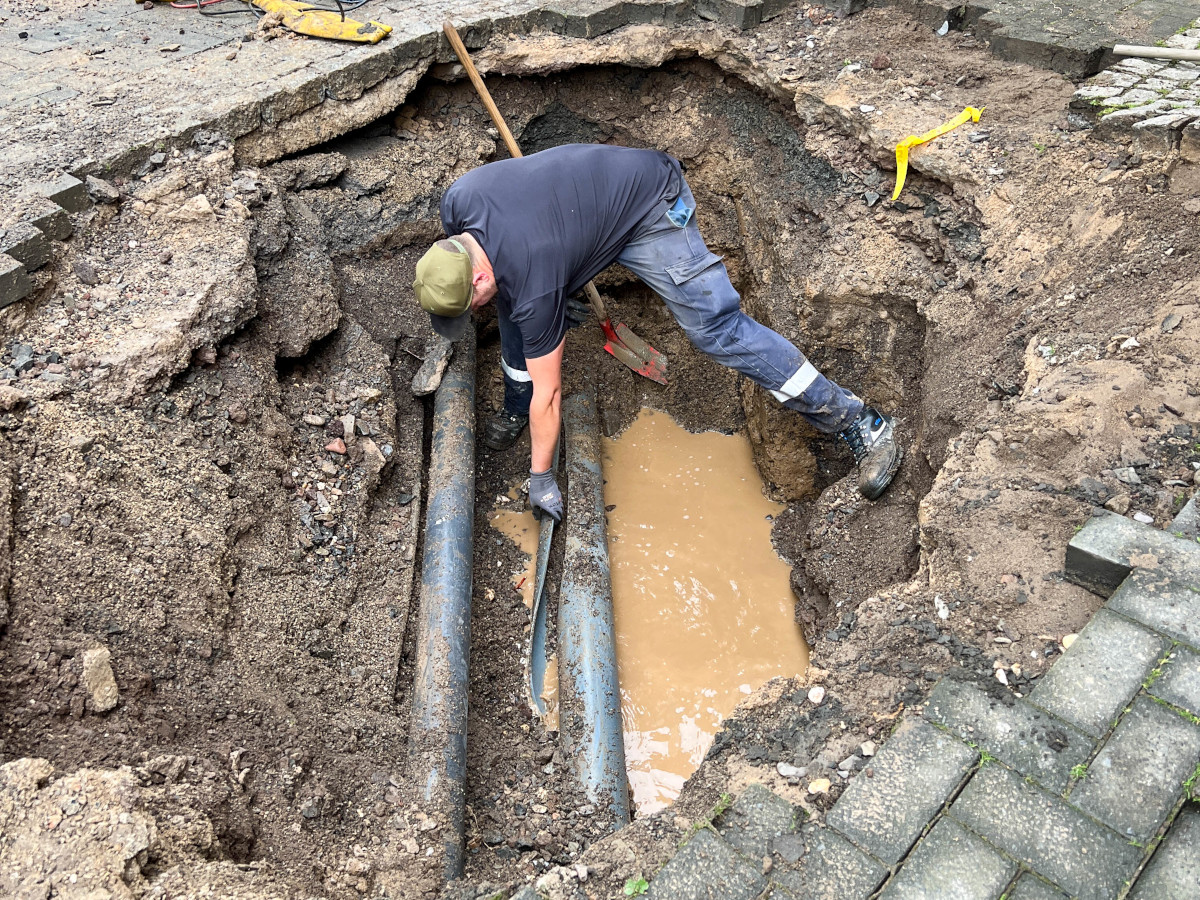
(304, 19)
(970, 114)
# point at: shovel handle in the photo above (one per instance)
(460, 50)
(510, 142)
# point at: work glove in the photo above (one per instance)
(544, 495)
(578, 310)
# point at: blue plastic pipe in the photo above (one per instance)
(438, 730)
(589, 695)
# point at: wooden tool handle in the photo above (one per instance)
(510, 142)
(461, 51)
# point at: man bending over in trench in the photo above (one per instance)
(529, 232)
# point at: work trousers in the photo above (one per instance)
(673, 260)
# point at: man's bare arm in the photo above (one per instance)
(545, 410)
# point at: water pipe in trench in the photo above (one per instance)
(438, 732)
(589, 695)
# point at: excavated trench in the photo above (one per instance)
(779, 213)
(289, 648)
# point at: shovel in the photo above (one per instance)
(622, 343)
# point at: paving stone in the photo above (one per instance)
(1108, 547)
(738, 13)
(756, 818)
(1173, 873)
(829, 868)
(1098, 676)
(1134, 781)
(26, 244)
(1019, 735)
(49, 218)
(707, 869)
(1186, 523)
(1164, 605)
(68, 192)
(14, 282)
(915, 773)
(1030, 887)
(1042, 831)
(1180, 681)
(951, 862)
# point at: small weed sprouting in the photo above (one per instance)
(1078, 771)
(725, 801)
(1191, 787)
(635, 887)
(986, 758)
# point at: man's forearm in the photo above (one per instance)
(544, 418)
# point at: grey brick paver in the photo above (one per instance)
(1109, 547)
(951, 862)
(1136, 778)
(1030, 887)
(1163, 604)
(756, 818)
(829, 867)
(1173, 873)
(1031, 741)
(1042, 831)
(915, 773)
(1100, 673)
(1180, 681)
(707, 869)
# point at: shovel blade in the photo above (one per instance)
(654, 370)
(640, 348)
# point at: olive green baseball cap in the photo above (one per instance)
(443, 288)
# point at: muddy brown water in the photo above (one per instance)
(704, 611)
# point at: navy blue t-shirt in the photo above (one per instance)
(550, 222)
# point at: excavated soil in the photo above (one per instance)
(211, 463)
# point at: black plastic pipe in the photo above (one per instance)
(589, 695)
(438, 731)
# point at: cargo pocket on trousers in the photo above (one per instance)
(690, 268)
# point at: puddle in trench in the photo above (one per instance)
(520, 527)
(703, 605)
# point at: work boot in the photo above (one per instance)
(503, 429)
(876, 452)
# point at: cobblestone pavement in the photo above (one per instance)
(1153, 100)
(1087, 788)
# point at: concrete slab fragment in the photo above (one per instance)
(915, 773)
(1019, 735)
(707, 869)
(1180, 681)
(1173, 873)
(1030, 887)
(829, 868)
(756, 818)
(1098, 676)
(951, 862)
(1134, 781)
(1161, 603)
(1089, 861)
(1109, 547)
